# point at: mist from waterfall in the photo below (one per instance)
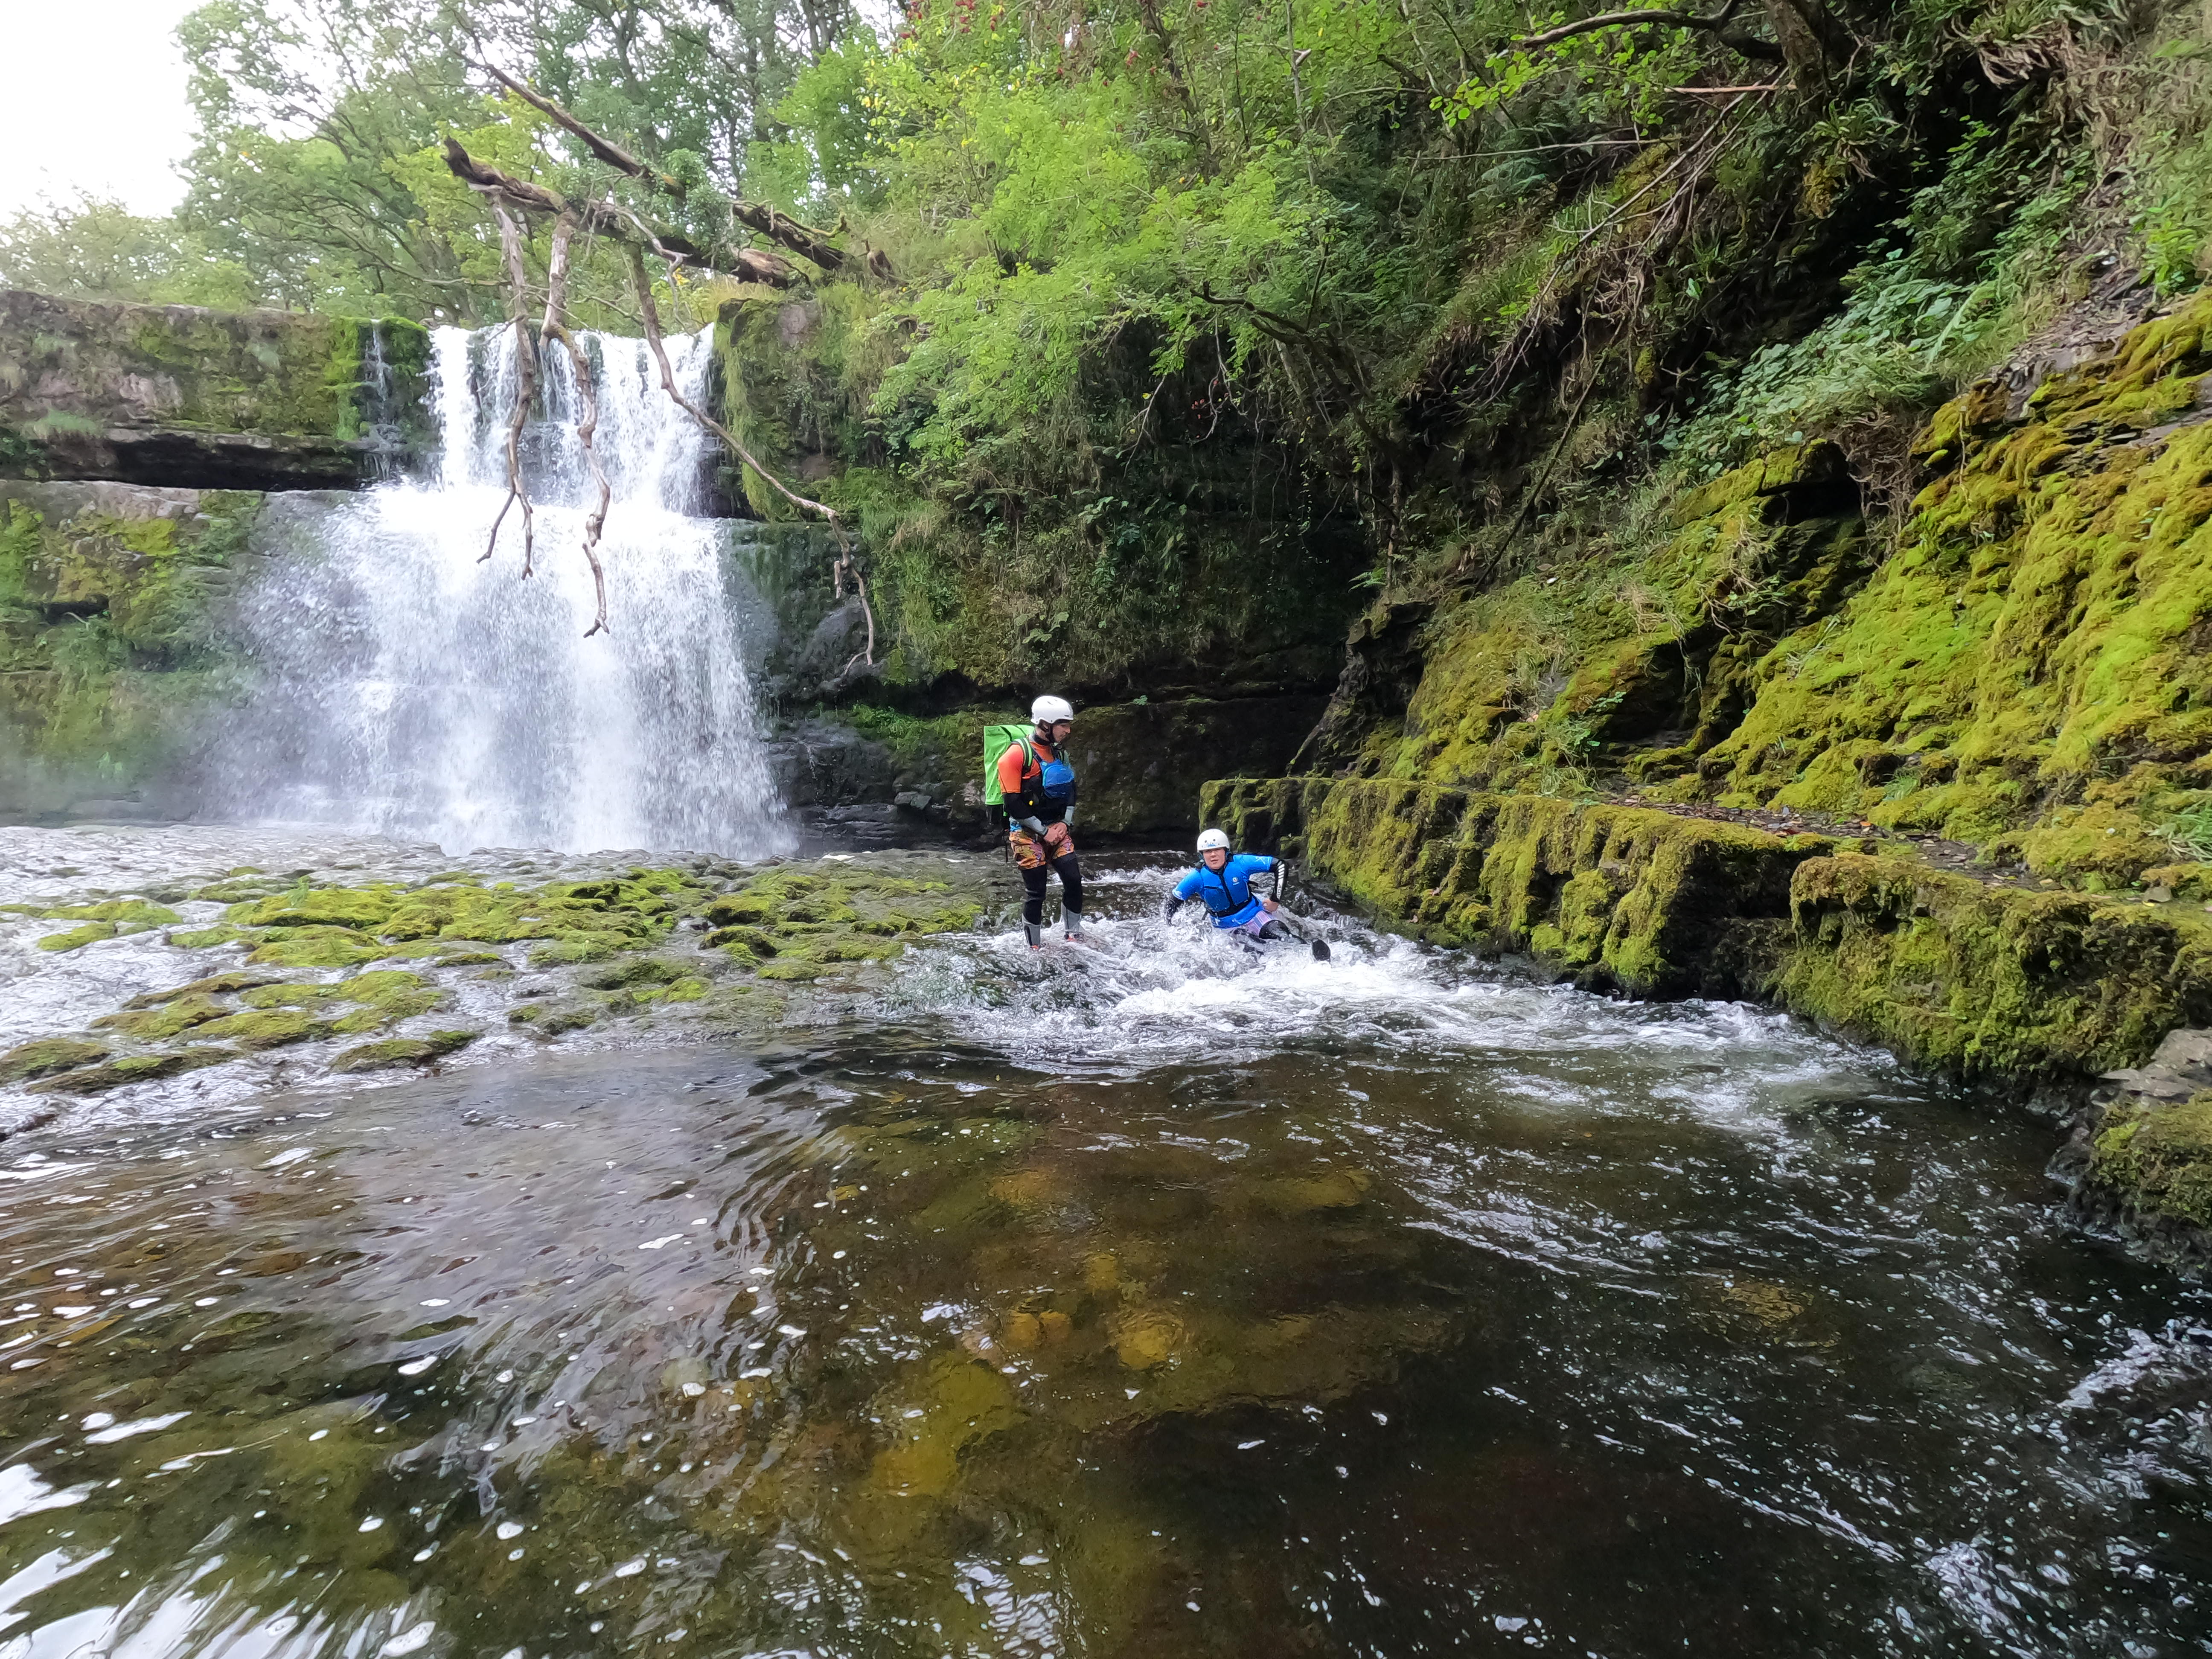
(405, 684)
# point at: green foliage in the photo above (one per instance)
(1961, 283)
(102, 250)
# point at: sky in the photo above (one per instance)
(96, 102)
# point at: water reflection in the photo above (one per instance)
(1132, 1304)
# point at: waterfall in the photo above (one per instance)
(401, 685)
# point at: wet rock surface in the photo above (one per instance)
(392, 956)
(179, 395)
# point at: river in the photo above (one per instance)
(1134, 1301)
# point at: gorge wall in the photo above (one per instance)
(1941, 783)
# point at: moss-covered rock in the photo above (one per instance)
(177, 395)
(265, 1028)
(111, 640)
(164, 1019)
(131, 1068)
(2026, 671)
(1985, 981)
(1957, 975)
(47, 1055)
(1619, 897)
(402, 1051)
(2158, 1159)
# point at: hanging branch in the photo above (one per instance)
(757, 217)
(844, 566)
(1747, 45)
(525, 386)
(751, 265)
(588, 423)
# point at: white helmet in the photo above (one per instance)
(1045, 710)
(1212, 841)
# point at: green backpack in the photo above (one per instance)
(997, 740)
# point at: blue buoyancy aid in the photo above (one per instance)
(1226, 893)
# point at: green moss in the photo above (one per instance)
(131, 1068)
(402, 1051)
(2158, 1159)
(265, 1028)
(238, 979)
(337, 907)
(46, 1055)
(129, 915)
(642, 971)
(76, 938)
(174, 1013)
(204, 939)
(1617, 897)
(315, 947)
(1989, 980)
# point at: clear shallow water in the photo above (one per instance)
(1127, 1302)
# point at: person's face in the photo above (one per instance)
(1060, 729)
(1215, 857)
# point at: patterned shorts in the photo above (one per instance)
(1034, 852)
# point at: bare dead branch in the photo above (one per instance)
(588, 423)
(525, 386)
(757, 217)
(650, 312)
(612, 153)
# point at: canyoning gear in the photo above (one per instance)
(1029, 778)
(1045, 710)
(1036, 931)
(1226, 893)
(1212, 841)
(1071, 920)
(997, 740)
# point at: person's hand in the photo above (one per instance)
(1269, 905)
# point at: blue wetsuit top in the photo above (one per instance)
(1226, 895)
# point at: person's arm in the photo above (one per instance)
(1011, 767)
(1177, 899)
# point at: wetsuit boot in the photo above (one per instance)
(1036, 931)
(1072, 922)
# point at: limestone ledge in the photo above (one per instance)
(173, 396)
(1996, 985)
(398, 974)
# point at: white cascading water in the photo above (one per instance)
(407, 686)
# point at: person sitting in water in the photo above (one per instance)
(1223, 884)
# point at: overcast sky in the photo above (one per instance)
(96, 102)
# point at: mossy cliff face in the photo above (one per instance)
(1618, 898)
(1203, 571)
(2027, 671)
(111, 637)
(176, 395)
(1976, 980)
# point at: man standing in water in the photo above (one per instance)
(1223, 884)
(1039, 786)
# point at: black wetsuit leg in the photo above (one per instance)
(1033, 885)
(1070, 870)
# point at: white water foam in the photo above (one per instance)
(406, 686)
